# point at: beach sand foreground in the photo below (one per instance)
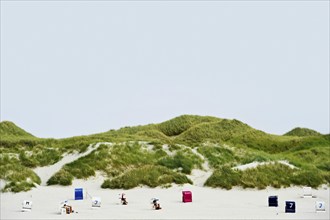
(207, 203)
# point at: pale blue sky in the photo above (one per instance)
(82, 67)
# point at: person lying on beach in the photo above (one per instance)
(156, 204)
(123, 199)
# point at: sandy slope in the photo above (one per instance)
(46, 172)
(255, 164)
(199, 177)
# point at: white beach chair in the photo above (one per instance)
(320, 206)
(96, 202)
(62, 211)
(307, 192)
(26, 206)
(61, 207)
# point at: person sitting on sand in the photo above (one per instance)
(123, 199)
(156, 204)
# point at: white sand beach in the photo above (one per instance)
(207, 203)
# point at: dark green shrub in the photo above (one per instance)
(48, 157)
(18, 186)
(151, 176)
(179, 160)
(80, 170)
(325, 166)
(62, 177)
(312, 178)
(27, 161)
(160, 153)
(182, 123)
(224, 177)
(217, 156)
(275, 175)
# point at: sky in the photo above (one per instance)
(83, 67)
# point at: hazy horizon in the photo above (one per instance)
(82, 67)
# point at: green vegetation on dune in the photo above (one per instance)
(62, 177)
(114, 160)
(161, 154)
(276, 175)
(18, 177)
(10, 130)
(21, 152)
(313, 157)
(182, 123)
(184, 161)
(302, 132)
(224, 177)
(148, 133)
(148, 175)
(41, 156)
(235, 133)
(218, 156)
(218, 131)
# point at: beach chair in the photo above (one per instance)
(290, 207)
(65, 208)
(68, 209)
(78, 194)
(186, 196)
(272, 201)
(96, 202)
(26, 206)
(320, 206)
(61, 207)
(62, 211)
(307, 192)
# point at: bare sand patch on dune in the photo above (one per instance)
(46, 172)
(256, 164)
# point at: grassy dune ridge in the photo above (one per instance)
(302, 132)
(162, 154)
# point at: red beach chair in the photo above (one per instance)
(186, 196)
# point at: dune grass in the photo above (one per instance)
(62, 177)
(218, 156)
(276, 175)
(40, 156)
(117, 159)
(224, 177)
(183, 161)
(18, 177)
(302, 132)
(224, 143)
(148, 175)
(10, 130)
(311, 158)
(182, 123)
